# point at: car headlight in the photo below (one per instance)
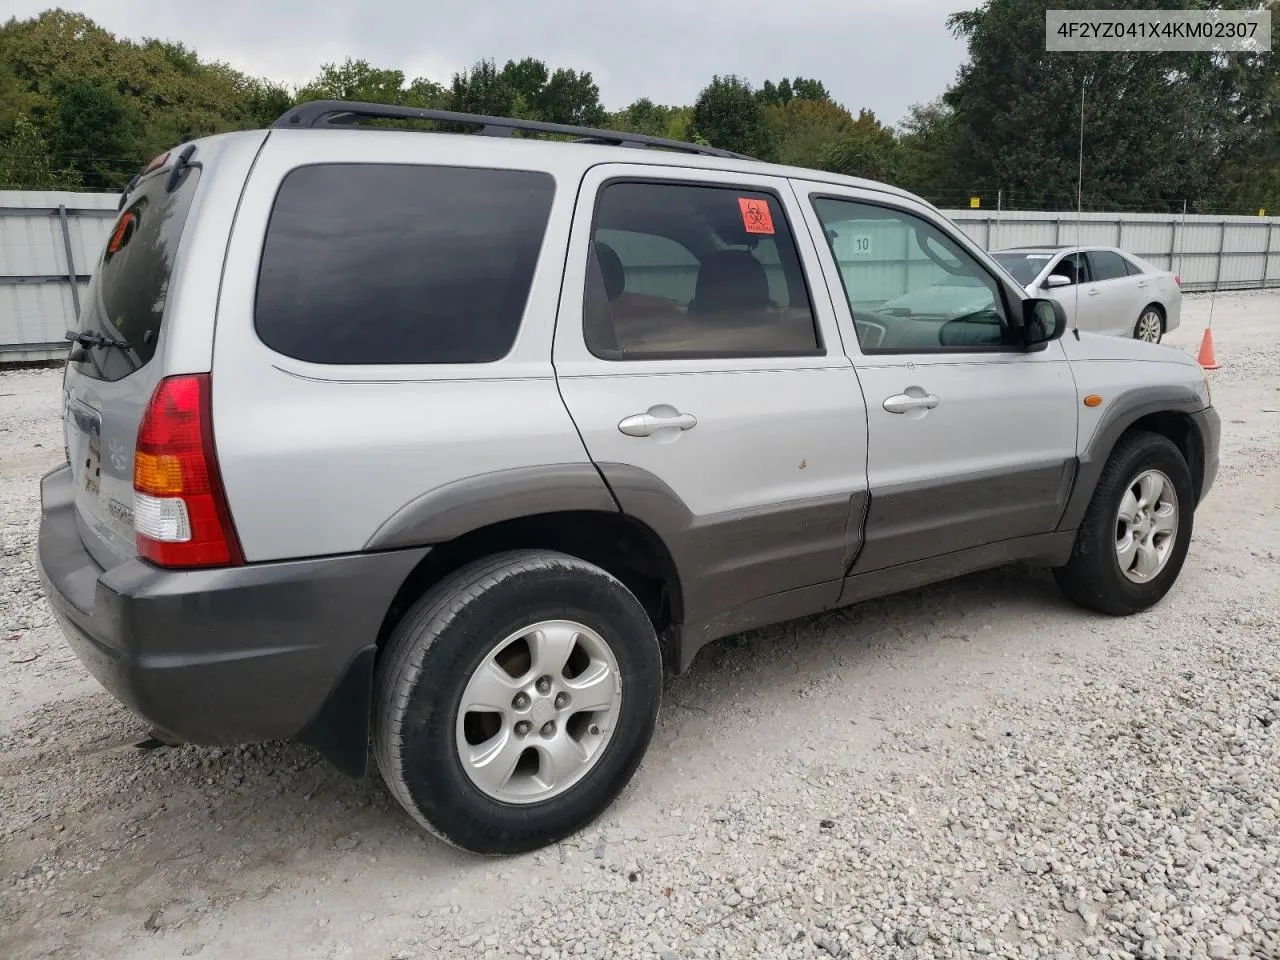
(1208, 387)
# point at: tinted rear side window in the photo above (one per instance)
(1106, 265)
(126, 298)
(380, 263)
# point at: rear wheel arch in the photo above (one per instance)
(488, 695)
(621, 545)
(1158, 309)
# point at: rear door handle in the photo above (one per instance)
(1094, 292)
(915, 399)
(657, 419)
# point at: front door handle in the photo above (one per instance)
(660, 421)
(913, 399)
(1094, 292)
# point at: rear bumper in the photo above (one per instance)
(235, 655)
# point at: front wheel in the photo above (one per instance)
(1134, 537)
(515, 700)
(1150, 326)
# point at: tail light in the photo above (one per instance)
(1177, 279)
(180, 511)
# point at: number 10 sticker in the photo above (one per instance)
(755, 215)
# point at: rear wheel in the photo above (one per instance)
(1134, 537)
(516, 700)
(1150, 325)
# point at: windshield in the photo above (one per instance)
(1025, 267)
(961, 280)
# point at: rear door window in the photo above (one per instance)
(127, 296)
(1105, 265)
(694, 271)
(396, 264)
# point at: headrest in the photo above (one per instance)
(615, 277)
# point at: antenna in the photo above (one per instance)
(1079, 257)
(1177, 268)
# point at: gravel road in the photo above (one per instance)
(973, 769)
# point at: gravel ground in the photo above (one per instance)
(973, 769)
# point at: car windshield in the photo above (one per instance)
(1025, 267)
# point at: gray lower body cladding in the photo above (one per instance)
(233, 655)
(1209, 424)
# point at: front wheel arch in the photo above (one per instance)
(1092, 577)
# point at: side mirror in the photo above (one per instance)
(1042, 321)
(1057, 280)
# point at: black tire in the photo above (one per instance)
(1092, 577)
(1137, 326)
(433, 652)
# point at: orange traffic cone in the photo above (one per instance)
(1206, 358)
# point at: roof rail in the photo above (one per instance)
(341, 113)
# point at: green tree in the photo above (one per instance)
(642, 116)
(728, 115)
(805, 130)
(654, 120)
(264, 101)
(426, 94)
(96, 132)
(167, 93)
(570, 97)
(786, 90)
(25, 162)
(355, 80)
(1154, 122)
(773, 94)
(868, 149)
(525, 78)
(927, 152)
(1249, 176)
(528, 90)
(809, 89)
(484, 89)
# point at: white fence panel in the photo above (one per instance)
(49, 242)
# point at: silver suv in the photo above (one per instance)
(459, 443)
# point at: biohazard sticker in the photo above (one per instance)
(755, 215)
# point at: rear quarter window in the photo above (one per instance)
(127, 296)
(395, 264)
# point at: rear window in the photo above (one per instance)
(381, 263)
(126, 298)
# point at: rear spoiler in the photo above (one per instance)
(180, 164)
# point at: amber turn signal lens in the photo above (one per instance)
(1093, 400)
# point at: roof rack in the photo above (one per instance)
(341, 113)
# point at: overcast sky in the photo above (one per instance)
(881, 54)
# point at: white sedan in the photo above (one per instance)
(1103, 289)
